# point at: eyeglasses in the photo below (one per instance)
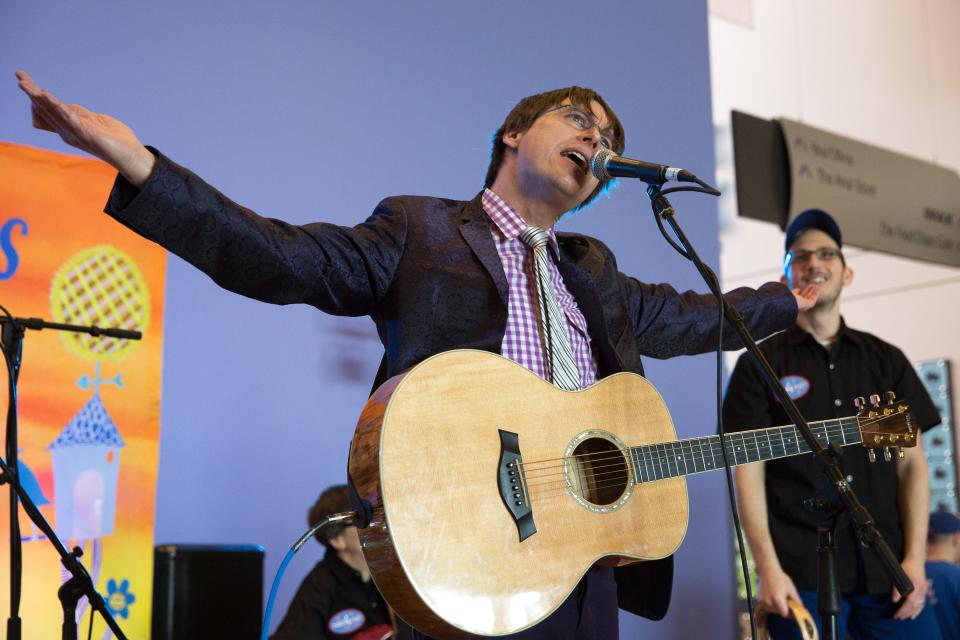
(803, 257)
(582, 121)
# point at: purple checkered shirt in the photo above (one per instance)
(521, 342)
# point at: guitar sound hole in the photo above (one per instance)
(597, 471)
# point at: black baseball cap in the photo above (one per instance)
(813, 219)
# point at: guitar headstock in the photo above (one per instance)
(887, 425)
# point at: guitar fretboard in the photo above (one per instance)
(697, 455)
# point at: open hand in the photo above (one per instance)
(913, 603)
(99, 135)
(807, 297)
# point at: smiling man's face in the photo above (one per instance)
(815, 259)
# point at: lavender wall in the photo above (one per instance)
(314, 111)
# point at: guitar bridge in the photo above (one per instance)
(512, 484)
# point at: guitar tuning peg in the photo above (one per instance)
(875, 399)
(858, 402)
(900, 454)
(887, 456)
(891, 397)
(871, 455)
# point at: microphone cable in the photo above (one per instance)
(345, 517)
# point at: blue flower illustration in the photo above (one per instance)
(118, 598)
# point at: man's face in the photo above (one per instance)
(552, 161)
(351, 540)
(347, 541)
(814, 259)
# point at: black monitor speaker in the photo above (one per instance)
(207, 591)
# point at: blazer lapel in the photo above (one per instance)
(580, 284)
(475, 229)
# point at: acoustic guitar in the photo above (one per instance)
(493, 492)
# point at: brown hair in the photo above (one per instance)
(523, 114)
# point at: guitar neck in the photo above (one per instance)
(698, 455)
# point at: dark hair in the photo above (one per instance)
(334, 500)
(523, 114)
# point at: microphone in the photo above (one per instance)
(605, 164)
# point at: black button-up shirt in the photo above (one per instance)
(823, 383)
(333, 601)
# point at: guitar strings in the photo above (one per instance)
(706, 443)
(661, 456)
(550, 482)
(823, 425)
(660, 460)
(622, 469)
(560, 487)
(715, 440)
(598, 477)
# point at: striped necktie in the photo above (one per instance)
(562, 368)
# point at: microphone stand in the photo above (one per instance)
(827, 458)
(13, 332)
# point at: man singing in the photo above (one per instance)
(435, 274)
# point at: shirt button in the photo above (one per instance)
(832, 366)
(837, 402)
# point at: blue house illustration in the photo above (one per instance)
(86, 463)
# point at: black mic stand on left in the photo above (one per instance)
(80, 584)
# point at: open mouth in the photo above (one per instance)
(576, 158)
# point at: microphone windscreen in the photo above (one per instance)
(598, 164)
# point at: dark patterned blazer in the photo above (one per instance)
(427, 271)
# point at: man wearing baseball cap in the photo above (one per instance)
(824, 364)
(943, 554)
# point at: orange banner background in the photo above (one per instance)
(89, 408)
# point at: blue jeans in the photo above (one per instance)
(864, 618)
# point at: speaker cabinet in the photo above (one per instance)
(204, 591)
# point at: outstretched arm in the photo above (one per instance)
(98, 134)
(339, 270)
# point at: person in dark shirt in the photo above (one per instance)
(943, 554)
(337, 599)
(824, 365)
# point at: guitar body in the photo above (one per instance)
(443, 546)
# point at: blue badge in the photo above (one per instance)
(346, 621)
(796, 386)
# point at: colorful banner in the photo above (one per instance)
(89, 407)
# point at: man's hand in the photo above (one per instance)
(807, 297)
(913, 604)
(97, 134)
(775, 587)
